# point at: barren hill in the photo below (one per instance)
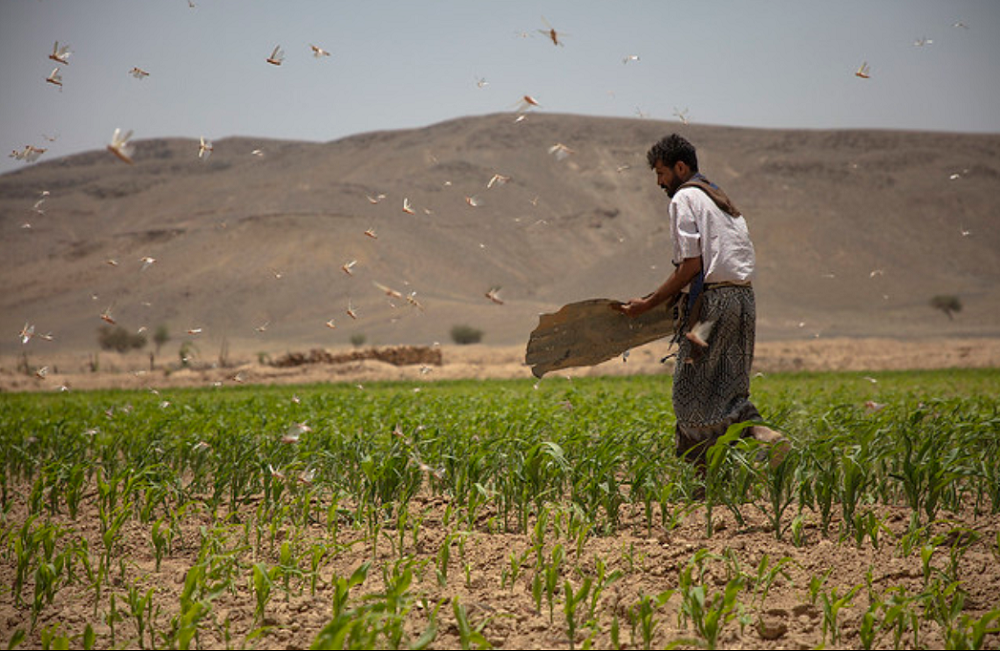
(855, 232)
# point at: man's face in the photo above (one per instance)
(670, 177)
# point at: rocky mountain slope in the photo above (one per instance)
(855, 232)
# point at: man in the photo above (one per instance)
(714, 263)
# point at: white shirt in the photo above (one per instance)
(702, 229)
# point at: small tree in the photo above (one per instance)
(466, 334)
(224, 352)
(947, 303)
(161, 336)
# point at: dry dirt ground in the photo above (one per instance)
(778, 613)
(650, 559)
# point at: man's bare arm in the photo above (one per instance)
(682, 275)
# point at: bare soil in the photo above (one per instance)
(650, 560)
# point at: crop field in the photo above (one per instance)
(501, 514)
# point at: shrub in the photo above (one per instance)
(358, 339)
(466, 334)
(947, 303)
(119, 339)
(187, 353)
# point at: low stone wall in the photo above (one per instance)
(395, 355)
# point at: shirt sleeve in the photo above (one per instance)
(687, 238)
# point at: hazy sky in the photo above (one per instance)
(411, 63)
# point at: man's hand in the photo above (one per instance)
(633, 308)
(681, 276)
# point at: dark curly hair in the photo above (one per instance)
(671, 149)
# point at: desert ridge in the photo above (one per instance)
(856, 232)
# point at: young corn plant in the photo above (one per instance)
(161, 536)
(971, 632)
(961, 539)
(552, 572)
(443, 559)
(111, 524)
(52, 639)
(601, 583)
(508, 577)
(868, 524)
(854, 479)
(26, 546)
(74, 489)
(780, 481)
(832, 603)
(571, 600)
(925, 470)
(870, 626)
(52, 572)
(391, 606)
(819, 468)
(899, 616)
(643, 617)
(112, 617)
(944, 603)
(729, 475)
(816, 584)
(470, 637)
(141, 608)
(287, 568)
(710, 615)
(766, 575)
(263, 583)
(342, 587)
(317, 553)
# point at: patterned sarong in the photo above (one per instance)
(712, 386)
